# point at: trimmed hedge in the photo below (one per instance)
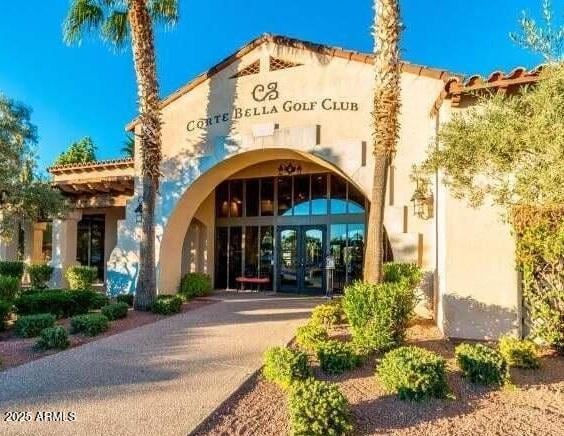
(481, 364)
(519, 353)
(115, 311)
(167, 304)
(414, 373)
(336, 357)
(91, 324)
(31, 325)
(195, 285)
(283, 366)
(81, 277)
(328, 314)
(53, 338)
(39, 275)
(9, 287)
(6, 308)
(61, 303)
(379, 313)
(310, 335)
(318, 409)
(98, 300)
(12, 268)
(125, 298)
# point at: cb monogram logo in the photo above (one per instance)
(262, 93)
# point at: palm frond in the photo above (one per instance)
(116, 28)
(84, 15)
(165, 11)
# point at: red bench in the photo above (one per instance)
(252, 280)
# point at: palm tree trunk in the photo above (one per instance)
(387, 30)
(150, 137)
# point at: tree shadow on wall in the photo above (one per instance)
(469, 318)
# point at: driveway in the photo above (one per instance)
(162, 378)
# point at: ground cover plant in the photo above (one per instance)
(195, 285)
(91, 324)
(310, 335)
(167, 304)
(39, 275)
(31, 325)
(53, 338)
(336, 357)
(481, 364)
(115, 311)
(318, 408)
(519, 353)
(283, 366)
(413, 373)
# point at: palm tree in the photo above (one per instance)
(128, 149)
(116, 20)
(387, 29)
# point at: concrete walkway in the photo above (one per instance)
(159, 379)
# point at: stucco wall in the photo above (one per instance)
(479, 294)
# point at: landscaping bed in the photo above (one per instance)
(532, 405)
(16, 351)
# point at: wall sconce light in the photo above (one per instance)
(423, 200)
(139, 212)
(289, 169)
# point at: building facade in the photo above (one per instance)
(267, 170)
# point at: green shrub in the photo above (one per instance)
(12, 268)
(98, 300)
(396, 272)
(283, 366)
(6, 308)
(328, 314)
(125, 298)
(53, 338)
(81, 277)
(39, 275)
(9, 287)
(336, 357)
(115, 311)
(90, 324)
(310, 335)
(519, 353)
(318, 409)
(60, 302)
(195, 285)
(481, 364)
(379, 313)
(167, 304)
(413, 373)
(31, 325)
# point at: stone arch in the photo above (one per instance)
(171, 245)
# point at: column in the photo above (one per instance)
(64, 247)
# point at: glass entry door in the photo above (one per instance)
(301, 259)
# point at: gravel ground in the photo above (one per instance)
(532, 405)
(16, 351)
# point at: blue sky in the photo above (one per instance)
(90, 90)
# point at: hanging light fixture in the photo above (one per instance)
(289, 169)
(423, 200)
(139, 212)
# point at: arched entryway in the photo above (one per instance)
(226, 215)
